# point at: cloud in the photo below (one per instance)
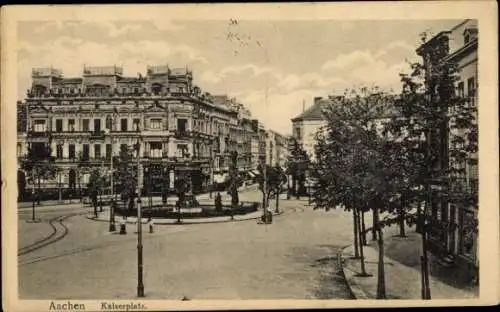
(380, 68)
(167, 24)
(349, 60)
(115, 29)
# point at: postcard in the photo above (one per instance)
(249, 156)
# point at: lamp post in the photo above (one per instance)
(33, 194)
(140, 284)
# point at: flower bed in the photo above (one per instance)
(208, 211)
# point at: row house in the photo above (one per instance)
(182, 132)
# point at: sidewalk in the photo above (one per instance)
(402, 271)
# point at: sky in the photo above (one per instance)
(272, 67)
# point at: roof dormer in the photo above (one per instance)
(469, 35)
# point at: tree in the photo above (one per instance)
(235, 180)
(126, 174)
(39, 165)
(95, 187)
(353, 168)
(275, 179)
(297, 165)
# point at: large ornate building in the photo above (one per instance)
(182, 131)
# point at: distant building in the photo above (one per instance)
(306, 125)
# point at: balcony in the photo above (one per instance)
(38, 134)
(178, 134)
(97, 135)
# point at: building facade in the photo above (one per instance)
(459, 243)
(181, 131)
(306, 125)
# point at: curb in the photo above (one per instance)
(188, 222)
(356, 292)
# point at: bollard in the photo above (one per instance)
(123, 228)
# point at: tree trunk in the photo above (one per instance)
(381, 272)
(402, 223)
(402, 218)
(355, 232)
(363, 228)
(361, 242)
(277, 209)
(374, 224)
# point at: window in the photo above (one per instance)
(71, 151)
(39, 125)
(19, 150)
(97, 125)
(460, 89)
(97, 151)
(182, 150)
(124, 124)
(59, 125)
(59, 149)
(467, 237)
(155, 124)
(466, 38)
(471, 91)
(71, 125)
(109, 123)
(136, 90)
(85, 152)
(155, 149)
(123, 147)
(108, 151)
(298, 135)
(156, 89)
(137, 122)
(181, 125)
(71, 91)
(85, 125)
(124, 90)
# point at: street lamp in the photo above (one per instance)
(140, 284)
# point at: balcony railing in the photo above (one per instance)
(182, 134)
(39, 134)
(97, 135)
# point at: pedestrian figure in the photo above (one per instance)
(123, 223)
(151, 224)
(218, 202)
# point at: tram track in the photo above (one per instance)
(59, 231)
